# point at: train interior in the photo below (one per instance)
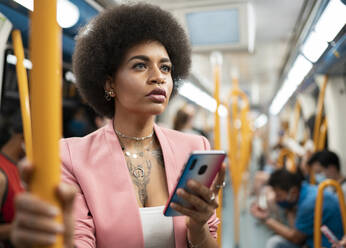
(267, 85)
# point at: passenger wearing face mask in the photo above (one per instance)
(326, 165)
(11, 152)
(291, 192)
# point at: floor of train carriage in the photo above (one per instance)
(253, 234)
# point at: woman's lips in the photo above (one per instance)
(157, 98)
(157, 95)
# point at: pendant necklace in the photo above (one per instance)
(135, 167)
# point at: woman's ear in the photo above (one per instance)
(109, 85)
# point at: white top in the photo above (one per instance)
(158, 229)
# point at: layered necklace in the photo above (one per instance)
(137, 139)
(138, 162)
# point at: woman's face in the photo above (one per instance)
(143, 83)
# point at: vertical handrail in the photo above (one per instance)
(323, 134)
(239, 139)
(319, 112)
(290, 160)
(217, 142)
(46, 82)
(297, 111)
(23, 92)
(319, 208)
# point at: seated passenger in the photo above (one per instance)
(128, 63)
(292, 193)
(10, 154)
(326, 164)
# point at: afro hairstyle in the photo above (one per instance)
(102, 44)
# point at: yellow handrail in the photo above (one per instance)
(46, 56)
(297, 110)
(217, 143)
(319, 207)
(318, 117)
(239, 139)
(23, 92)
(290, 160)
(323, 134)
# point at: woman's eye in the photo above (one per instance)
(166, 68)
(139, 66)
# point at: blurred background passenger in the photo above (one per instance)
(293, 194)
(11, 152)
(78, 125)
(184, 119)
(326, 165)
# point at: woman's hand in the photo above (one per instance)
(34, 223)
(202, 199)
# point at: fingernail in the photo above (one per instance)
(52, 239)
(53, 211)
(191, 183)
(59, 228)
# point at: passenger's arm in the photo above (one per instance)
(291, 234)
(291, 218)
(4, 228)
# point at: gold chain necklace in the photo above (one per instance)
(133, 137)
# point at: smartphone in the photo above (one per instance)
(330, 236)
(262, 201)
(201, 166)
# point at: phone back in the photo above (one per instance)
(201, 166)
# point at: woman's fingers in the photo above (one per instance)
(220, 179)
(29, 238)
(38, 223)
(66, 194)
(35, 223)
(198, 203)
(202, 191)
(28, 203)
(197, 216)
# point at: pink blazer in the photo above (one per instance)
(106, 210)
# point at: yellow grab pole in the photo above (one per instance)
(312, 176)
(290, 158)
(217, 141)
(238, 149)
(323, 135)
(318, 117)
(297, 110)
(319, 207)
(46, 81)
(23, 92)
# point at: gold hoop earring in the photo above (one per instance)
(109, 95)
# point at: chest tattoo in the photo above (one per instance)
(140, 174)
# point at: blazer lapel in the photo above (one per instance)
(128, 211)
(172, 174)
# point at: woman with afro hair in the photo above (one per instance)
(128, 63)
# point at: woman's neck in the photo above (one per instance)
(134, 125)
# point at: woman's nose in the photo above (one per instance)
(157, 77)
